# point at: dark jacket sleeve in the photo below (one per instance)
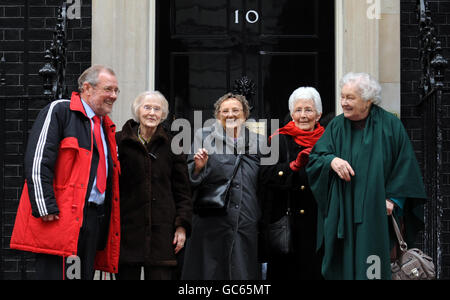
(40, 158)
(181, 191)
(278, 175)
(118, 138)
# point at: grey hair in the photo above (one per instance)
(240, 98)
(368, 87)
(149, 94)
(305, 93)
(90, 75)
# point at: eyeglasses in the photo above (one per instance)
(307, 111)
(234, 112)
(149, 108)
(110, 90)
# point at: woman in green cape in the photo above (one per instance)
(362, 170)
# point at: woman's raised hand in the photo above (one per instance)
(200, 159)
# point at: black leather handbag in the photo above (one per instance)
(211, 199)
(280, 232)
(280, 235)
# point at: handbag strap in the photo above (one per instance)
(289, 200)
(401, 241)
(236, 166)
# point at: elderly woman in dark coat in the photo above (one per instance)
(155, 206)
(287, 191)
(224, 247)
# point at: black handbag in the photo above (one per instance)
(211, 199)
(412, 264)
(280, 232)
(280, 235)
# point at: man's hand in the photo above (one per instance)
(50, 218)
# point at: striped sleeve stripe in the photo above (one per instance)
(36, 171)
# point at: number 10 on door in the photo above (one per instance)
(251, 16)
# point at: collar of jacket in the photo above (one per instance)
(129, 132)
(77, 105)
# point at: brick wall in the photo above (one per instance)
(26, 31)
(411, 113)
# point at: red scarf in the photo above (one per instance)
(304, 138)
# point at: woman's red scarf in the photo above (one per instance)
(304, 138)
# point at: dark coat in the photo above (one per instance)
(155, 197)
(225, 247)
(279, 184)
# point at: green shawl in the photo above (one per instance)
(352, 221)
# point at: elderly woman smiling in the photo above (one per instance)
(287, 190)
(224, 247)
(155, 204)
(362, 170)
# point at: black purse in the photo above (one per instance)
(211, 199)
(280, 232)
(280, 235)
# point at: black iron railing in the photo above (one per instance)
(54, 70)
(432, 89)
(2, 150)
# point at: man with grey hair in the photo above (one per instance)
(69, 209)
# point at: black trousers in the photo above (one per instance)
(133, 272)
(52, 267)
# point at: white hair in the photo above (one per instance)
(368, 87)
(149, 94)
(305, 93)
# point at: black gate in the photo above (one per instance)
(432, 93)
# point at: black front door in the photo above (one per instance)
(203, 46)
